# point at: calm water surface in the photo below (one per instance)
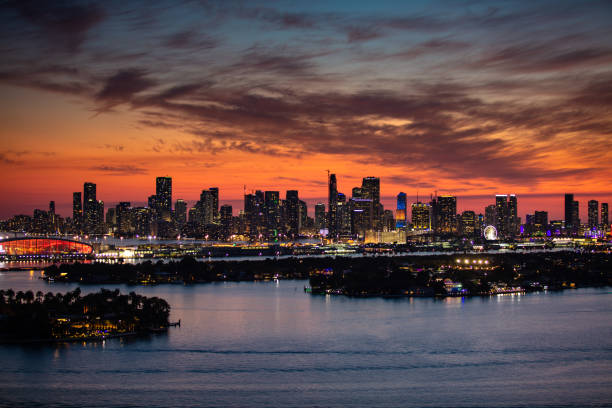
(270, 344)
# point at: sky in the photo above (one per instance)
(470, 98)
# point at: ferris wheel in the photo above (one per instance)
(490, 233)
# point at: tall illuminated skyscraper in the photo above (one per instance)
(400, 212)
(163, 191)
(569, 200)
(332, 222)
(421, 216)
(593, 208)
(605, 221)
(319, 216)
(447, 210)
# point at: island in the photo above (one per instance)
(41, 317)
(432, 275)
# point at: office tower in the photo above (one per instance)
(319, 216)
(361, 216)
(332, 207)
(153, 203)
(111, 217)
(142, 221)
(512, 217)
(490, 215)
(593, 208)
(575, 216)
(123, 221)
(180, 212)
(77, 209)
(163, 191)
(303, 215)
(292, 210)
(226, 218)
(421, 216)
(90, 208)
(468, 223)
(400, 213)
(388, 221)
(343, 216)
(540, 220)
(370, 189)
(193, 215)
(254, 213)
(99, 225)
(51, 207)
(272, 212)
(501, 214)
(569, 200)
(605, 221)
(434, 212)
(447, 210)
(214, 204)
(207, 206)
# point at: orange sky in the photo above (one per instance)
(460, 103)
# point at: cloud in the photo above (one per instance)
(123, 86)
(120, 170)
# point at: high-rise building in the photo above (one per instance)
(292, 209)
(272, 212)
(501, 214)
(207, 206)
(303, 215)
(254, 213)
(90, 208)
(123, 215)
(319, 216)
(490, 215)
(512, 217)
(163, 191)
(569, 202)
(361, 216)
(540, 220)
(370, 189)
(468, 223)
(180, 212)
(605, 221)
(575, 215)
(77, 209)
(332, 222)
(400, 212)
(447, 210)
(214, 192)
(421, 216)
(226, 215)
(593, 208)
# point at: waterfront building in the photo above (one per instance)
(77, 210)
(501, 214)
(490, 215)
(123, 221)
(90, 208)
(226, 215)
(400, 213)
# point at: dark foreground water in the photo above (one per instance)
(270, 344)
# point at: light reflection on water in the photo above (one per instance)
(270, 344)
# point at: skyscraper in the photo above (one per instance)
(512, 217)
(90, 208)
(332, 222)
(319, 216)
(292, 203)
(468, 223)
(370, 189)
(447, 207)
(272, 212)
(163, 191)
(226, 217)
(593, 208)
(569, 200)
(421, 216)
(180, 212)
(605, 221)
(77, 209)
(501, 214)
(400, 213)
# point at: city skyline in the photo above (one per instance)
(470, 99)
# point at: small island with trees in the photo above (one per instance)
(41, 317)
